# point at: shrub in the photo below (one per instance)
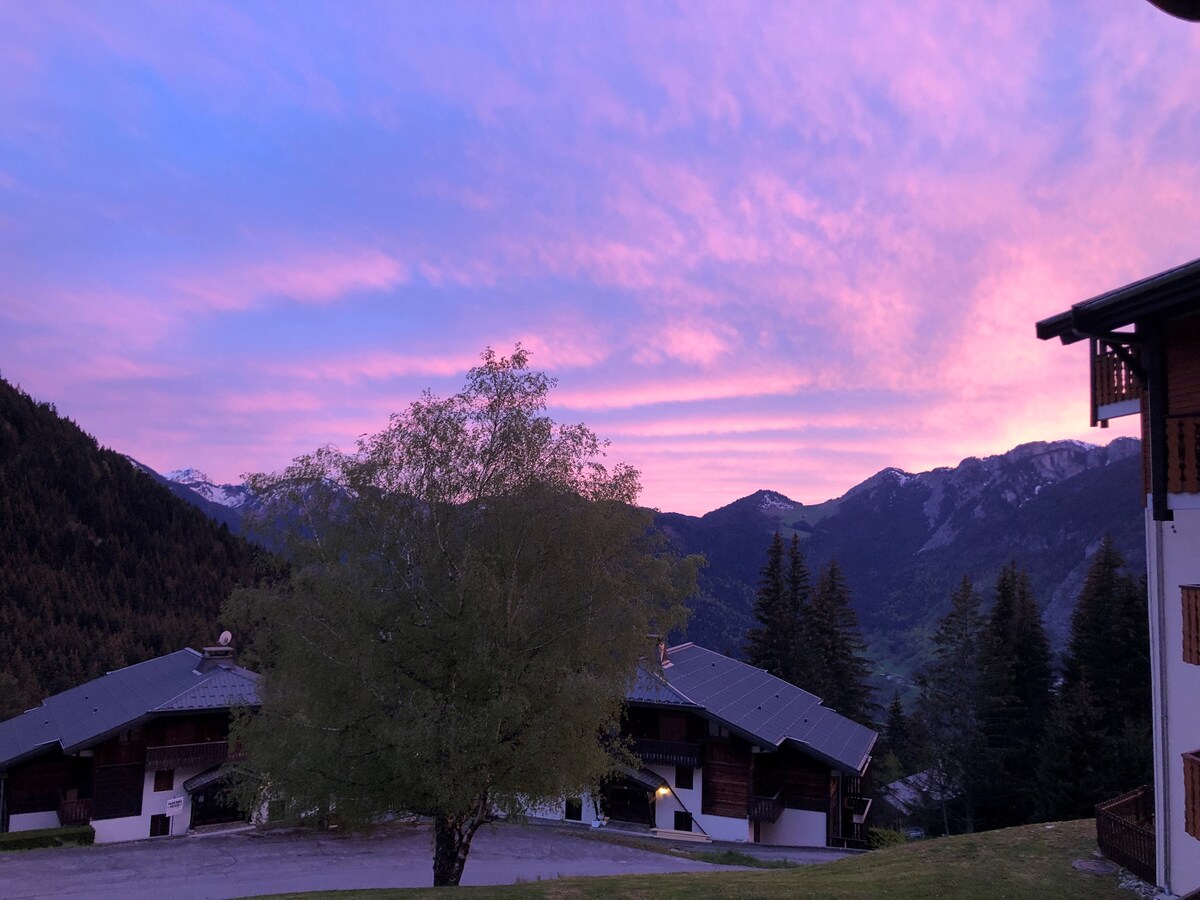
(74, 835)
(878, 838)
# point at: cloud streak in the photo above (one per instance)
(772, 246)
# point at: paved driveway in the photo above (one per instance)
(235, 865)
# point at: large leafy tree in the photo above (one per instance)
(469, 596)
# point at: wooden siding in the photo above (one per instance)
(1183, 366)
(726, 777)
(40, 784)
(1191, 793)
(117, 791)
(803, 782)
(1190, 594)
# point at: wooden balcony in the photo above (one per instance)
(1125, 832)
(766, 809)
(178, 756)
(1183, 454)
(667, 753)
(1190, 597)
(1116, 388)
(74, 812)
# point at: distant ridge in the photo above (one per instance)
(100, 566)
(903, 539)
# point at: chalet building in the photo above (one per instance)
(136, 753)
(731, 753)
(1144, 342)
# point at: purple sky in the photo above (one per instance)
(759, 245)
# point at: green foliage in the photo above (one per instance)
(737, 858)
(71, 836)
(779, 643)
(1015, 673)
(1098, 742)
(948, 710)
(468, 601)
(100, 566)
(878, 838)
(837, 650)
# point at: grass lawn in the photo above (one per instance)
(1033, 861)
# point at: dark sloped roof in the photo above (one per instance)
(763, 708)
(1165, 294)
(87, 714)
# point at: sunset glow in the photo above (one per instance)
(758, 245)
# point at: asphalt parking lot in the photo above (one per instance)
(247, 863)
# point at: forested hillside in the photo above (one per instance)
(905, 540)
(100, 566)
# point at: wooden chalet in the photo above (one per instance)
(136, 753)
(731, 753)
(1144, 351)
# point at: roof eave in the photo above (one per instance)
(1157, 295)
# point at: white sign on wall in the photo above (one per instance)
(174, 806)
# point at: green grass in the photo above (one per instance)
(737, 858)
(1030, 861)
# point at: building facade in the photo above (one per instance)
(731, 753)
(136, 753)
(1144, 342)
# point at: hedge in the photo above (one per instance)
(74, 835)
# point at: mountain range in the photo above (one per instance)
(903, 540)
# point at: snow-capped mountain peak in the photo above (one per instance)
(187, 476)
(231, 496)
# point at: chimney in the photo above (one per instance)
(663, 659)
(220, 656)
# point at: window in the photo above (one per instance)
(684, 777)
(1191, 793)
(683, 821)
(164, 780)
(1191, 623)
(160, 825)
(574, 811)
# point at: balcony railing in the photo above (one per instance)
(74, 812)
(766, 809)
(1125, 832)
(209, 753)
(1183, 454)
(667, 753)
(1116, 390)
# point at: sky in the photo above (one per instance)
(758, 245)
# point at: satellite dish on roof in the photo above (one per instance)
(224, 639)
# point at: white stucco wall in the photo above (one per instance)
(32, 821)
(1173, 559)
(133, 828)
(796, 828)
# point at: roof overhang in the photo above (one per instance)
(1100, 317)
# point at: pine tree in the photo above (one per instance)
(897, 734)
(769, 645)
(948, 709)
(838, 651)
(1098, 742)
(1016, 676)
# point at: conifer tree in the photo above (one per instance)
(838, 651)
(897, 733)
(948, 709)
(1016, 676)
(1098, 741)
(768, 646)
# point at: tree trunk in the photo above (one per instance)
(452, 834)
